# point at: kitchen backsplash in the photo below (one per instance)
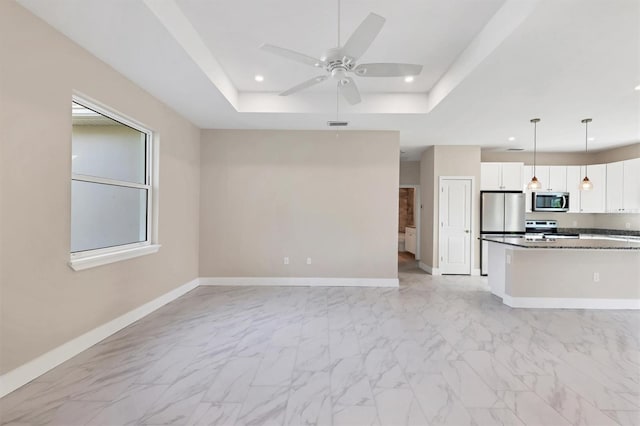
(594, 220)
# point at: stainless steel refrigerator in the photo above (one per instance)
(501, 213)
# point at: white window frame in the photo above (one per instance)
(91, 258)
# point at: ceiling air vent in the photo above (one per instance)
(337, 123)
(515, 149)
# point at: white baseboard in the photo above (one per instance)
(428, 269)
(569, 303)
(301, 281)
(475, 272)
(22, 375)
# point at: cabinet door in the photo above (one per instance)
(490, 176)
(542, 173)
(573, 188)
(615, 187)
(527, 174)
(631, 176)
(557, 179)
(512, 176)
(594, 201)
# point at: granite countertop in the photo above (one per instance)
(566, 243)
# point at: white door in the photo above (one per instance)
(455, 226)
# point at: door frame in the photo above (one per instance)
(417, 213)
(472, 270)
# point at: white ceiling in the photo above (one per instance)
(489, 65)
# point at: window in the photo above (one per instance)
(111, 188)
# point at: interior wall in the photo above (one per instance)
(269, 194)
(578, 220)
(626, 152)
(409, 173)
(457, 161)
(44, 302)
(427, 219)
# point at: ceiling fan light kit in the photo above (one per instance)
(340, 62)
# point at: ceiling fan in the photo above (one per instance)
(340, 61)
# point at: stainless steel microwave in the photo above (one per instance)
(550, 201)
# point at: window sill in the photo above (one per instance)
(106, 258)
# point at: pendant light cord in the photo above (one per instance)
(535, 145)
(586, 138)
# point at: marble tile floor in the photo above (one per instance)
(436, 351)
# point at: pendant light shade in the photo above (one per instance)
(535, 183)
(586, 184)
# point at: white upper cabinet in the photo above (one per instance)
(593, 201)
(615, 189)
(557, 179)
(573, 188)
(512, 176)
(631, 177)
(501, 176)
(490, 176)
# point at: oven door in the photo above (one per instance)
(550, 201)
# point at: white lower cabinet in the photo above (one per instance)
(410, 240)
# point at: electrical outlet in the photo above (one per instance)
(575, 223)
(308, 261)
(286, 260)
(508, 259)
(596, 277)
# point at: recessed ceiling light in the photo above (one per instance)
(637, 88)
(258, 78)
(511, 139)
(408, 79)
(591, 139)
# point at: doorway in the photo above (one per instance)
(455, 225)
(408, 226)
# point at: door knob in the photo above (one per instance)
(466, 231)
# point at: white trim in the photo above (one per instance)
(570, 303)
(429, 269)
(101, 256)
(87, 262)
(22, 375)
(107, 181)
(300, 281)
(417, 201)
(475, 272)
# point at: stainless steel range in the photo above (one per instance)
(545, 230)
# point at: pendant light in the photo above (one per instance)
(586, 184)
(535, 183)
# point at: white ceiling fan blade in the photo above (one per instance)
(349, 90)
(363, 36)
(293, 55)
(301, 86)
(387, 70)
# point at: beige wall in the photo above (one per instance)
(409, 173)
(270, 194)
(569, 273)
(566, 158)
(427, 218)
(45, 303)
(439, 161)
(580, 220)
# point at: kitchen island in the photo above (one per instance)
(594, 272)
